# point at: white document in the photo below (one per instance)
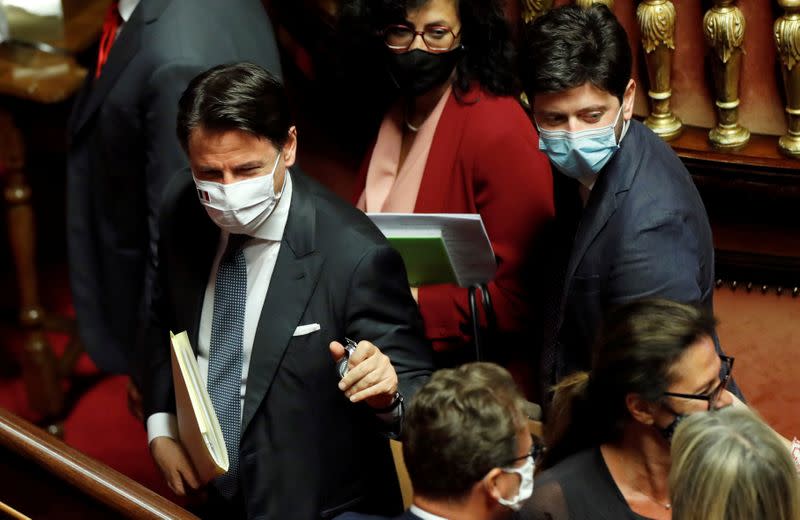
(198, 427)
(464, 236)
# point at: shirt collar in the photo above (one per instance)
(126, 8)
(424, 514)
(272, 228)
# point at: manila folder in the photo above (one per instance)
(198, 427)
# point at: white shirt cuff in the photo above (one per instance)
(162, 425)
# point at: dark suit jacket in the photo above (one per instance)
(306, 451)
(124, 149)
(485, 159)
(644, 233)
(407, 515)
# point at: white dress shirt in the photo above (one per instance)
(424, 514)
(126, 8)
(260, 253)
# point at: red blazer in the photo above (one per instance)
(485, 159)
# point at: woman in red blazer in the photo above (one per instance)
(458, 141)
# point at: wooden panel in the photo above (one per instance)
(44, 471)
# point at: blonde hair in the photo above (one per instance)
(729, 464)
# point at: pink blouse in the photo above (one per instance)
(388, 190)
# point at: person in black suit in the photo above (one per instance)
(467, 447)
(268, 315)
(631, 222)
(123, 150)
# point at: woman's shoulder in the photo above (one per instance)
(487, 116)
(478, 100)
(578, 465)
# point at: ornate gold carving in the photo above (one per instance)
(723, 27)
(533, 9)
(657, 23)
(787, 40)
(589, 3)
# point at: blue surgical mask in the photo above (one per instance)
(580, 154)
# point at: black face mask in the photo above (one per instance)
(668, 431)
(416, 72)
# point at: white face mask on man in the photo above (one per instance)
(525, 485)
(242, 206)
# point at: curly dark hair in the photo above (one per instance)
(489, 54)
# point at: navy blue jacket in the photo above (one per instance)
(643, 233)
(123, 150)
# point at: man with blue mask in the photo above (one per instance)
(467, 447)
(630, 222)
(271, 274)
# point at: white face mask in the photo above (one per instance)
(525, 486)
(242, 206)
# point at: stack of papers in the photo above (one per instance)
(440, 247)
(198, 427)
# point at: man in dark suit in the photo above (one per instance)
(631, 219)
(123, 151)
(467, 447)
(269, 273)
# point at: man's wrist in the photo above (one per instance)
(397, 400)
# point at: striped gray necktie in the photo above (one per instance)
(225, 355)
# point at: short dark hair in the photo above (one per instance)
(639, 344)
(460, 425)
(238, 96)
(570, 46)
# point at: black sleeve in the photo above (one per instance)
(380, 309)
(152, 365)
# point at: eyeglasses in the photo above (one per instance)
(437, 38)
(713, 396)
(537, 448)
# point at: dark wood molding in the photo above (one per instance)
(107, 486)
(758, 272)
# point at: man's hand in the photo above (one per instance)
(175, 465)
(135, 401)
(370, 375)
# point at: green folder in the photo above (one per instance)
(426, 259)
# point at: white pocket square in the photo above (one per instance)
(302, 330)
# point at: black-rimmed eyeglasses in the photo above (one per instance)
(437, 38)
(537, 448)
(713, 396)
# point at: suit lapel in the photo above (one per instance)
(612, 183)
(199, 272)
(122, 52)
(443, 155)
(293, 280)
(195, 252)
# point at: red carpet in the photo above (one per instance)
(98, 423)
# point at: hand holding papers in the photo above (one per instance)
(198, 427)
(440, 247)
